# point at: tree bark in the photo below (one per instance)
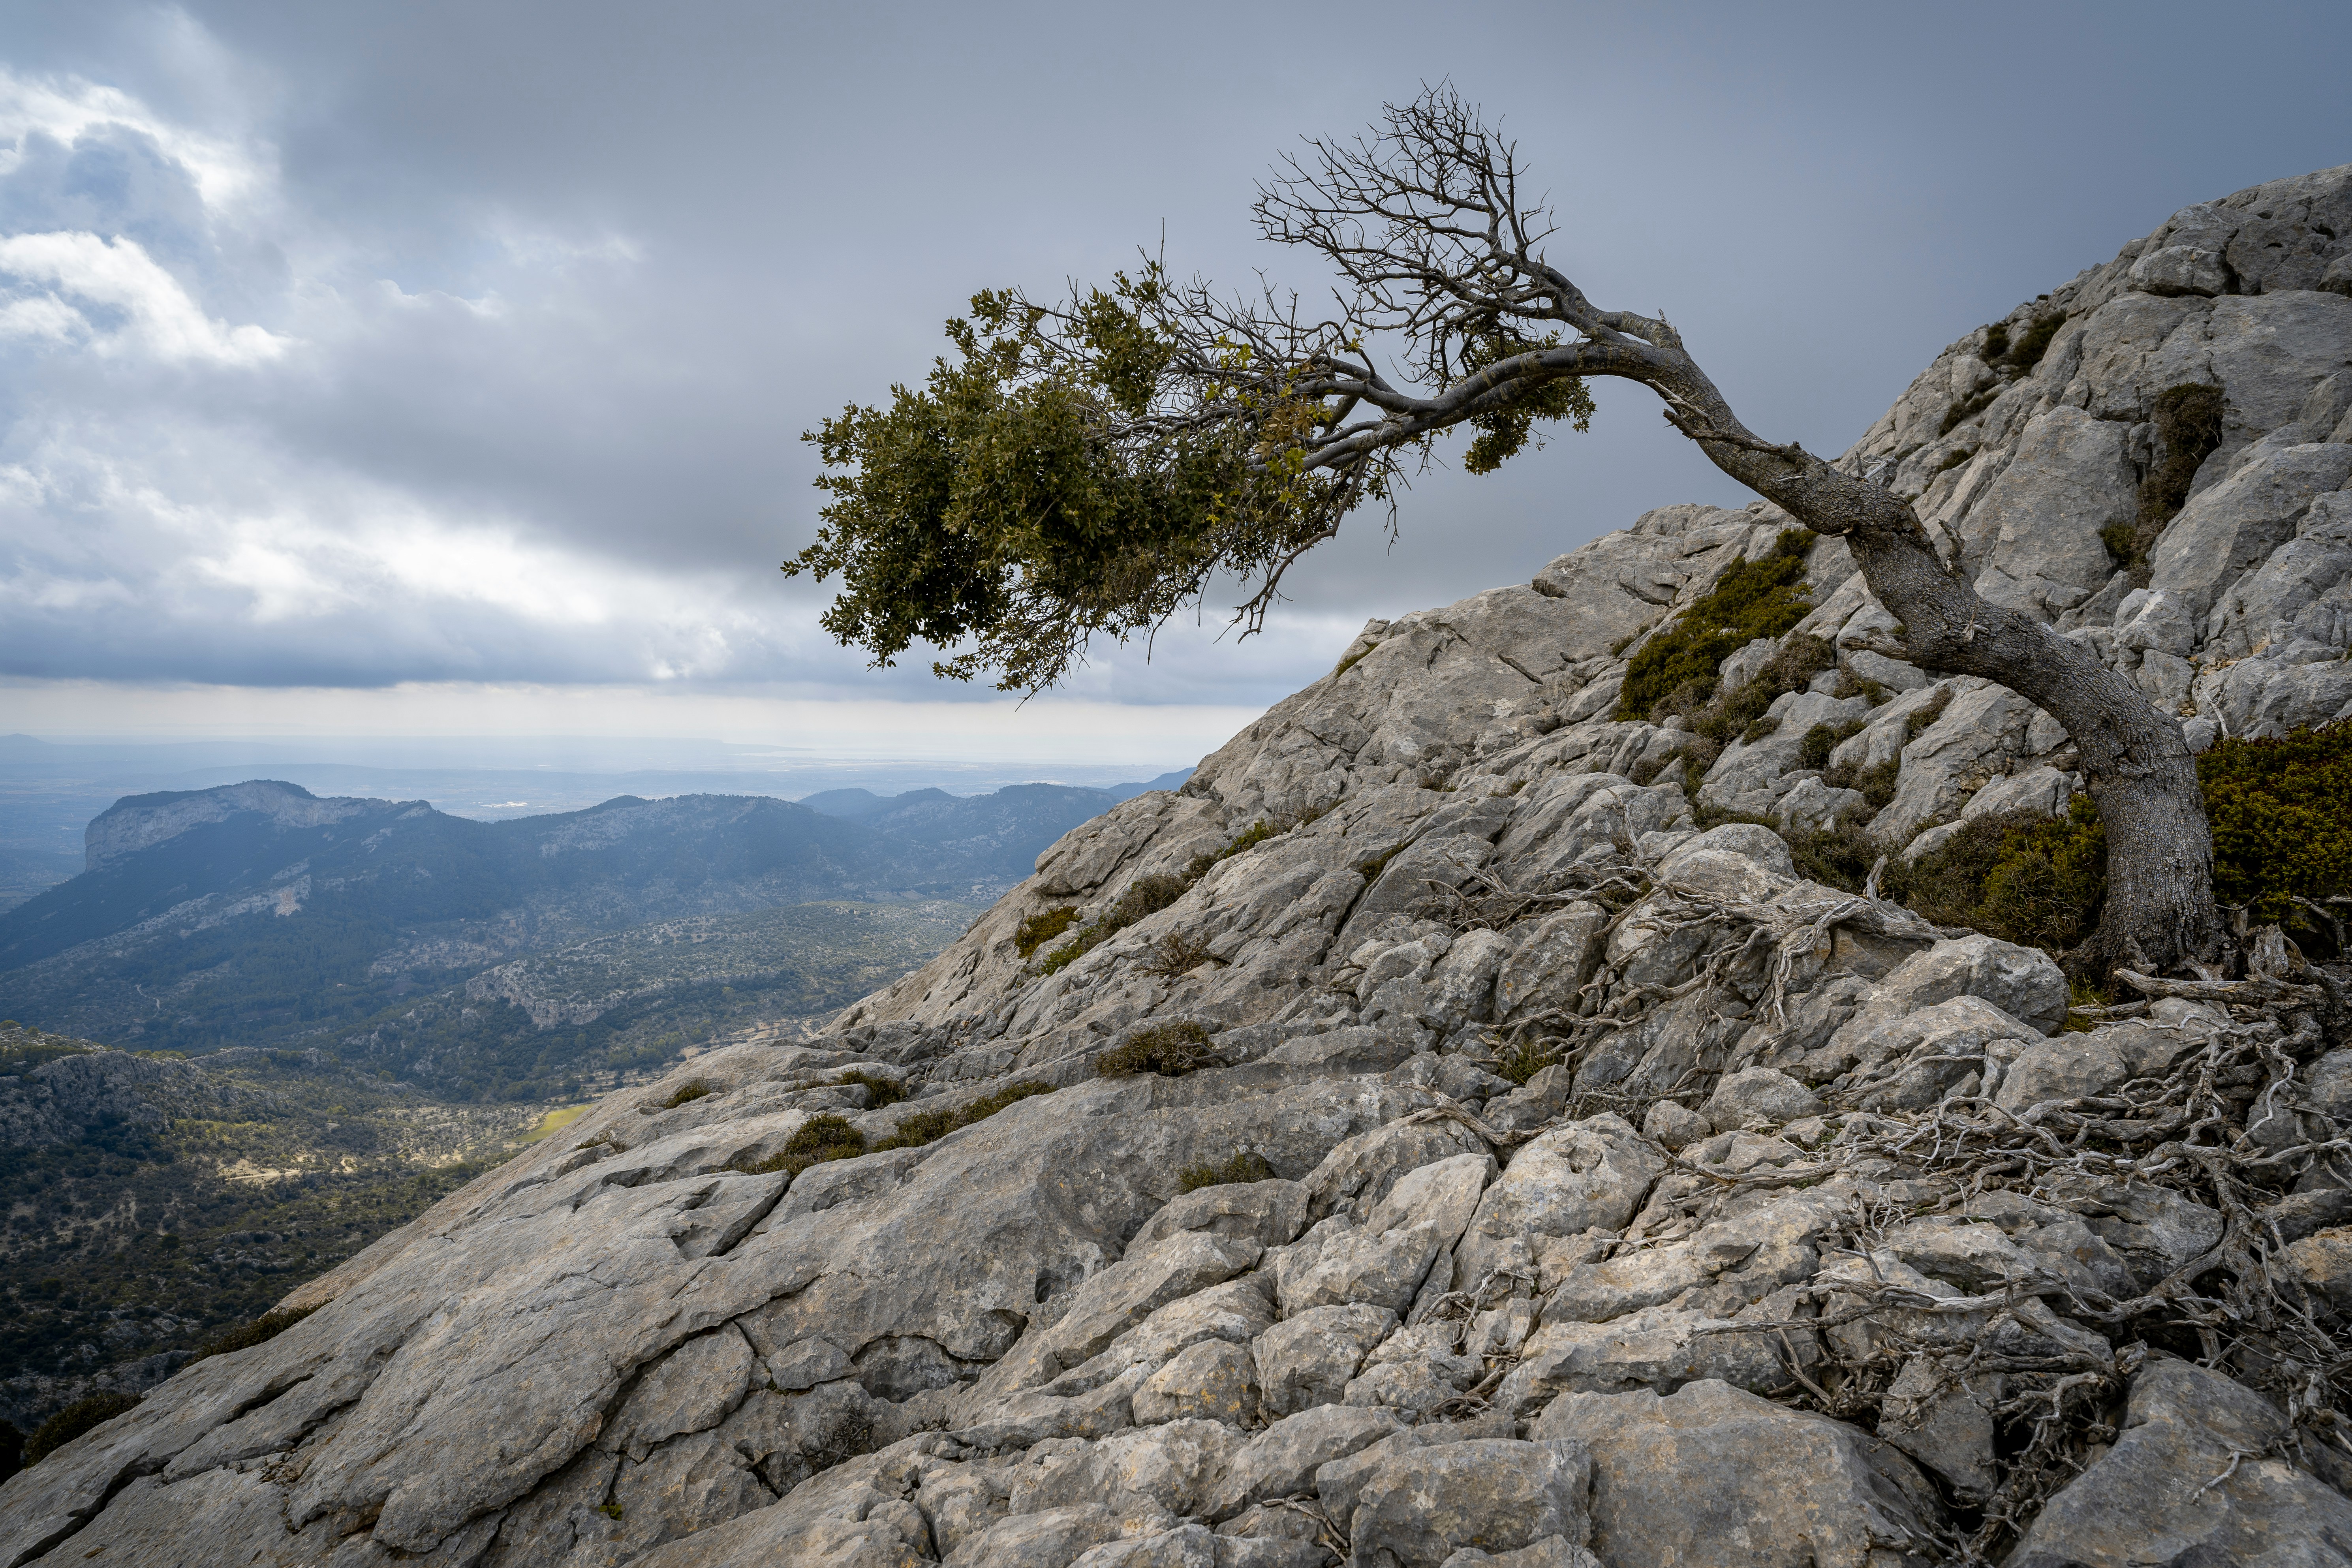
(2159, 912)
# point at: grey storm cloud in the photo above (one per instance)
(356, 345)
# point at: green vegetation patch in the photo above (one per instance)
(929, 1126)
(880, 1091)
(1038, 930)
(1246, 1165)
(693, 1089)
(820, 1139)
(2188, 428)
(81, 1416)
(2282, 827)
(1171, 1050)
(1145, 895)
(1717, 718)
(2032, 880)
(259, 1331)
(1760, 598)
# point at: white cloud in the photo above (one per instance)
(227, 173)
(158, 315)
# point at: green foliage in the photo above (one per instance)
(2282, 828)
(2026, 353)
(1760, 598)
(245, 1336)
(75, 1419)
(1526, 1059)
(1177, 954)
(1246, 1165)
(2188, 428)
(1144, 897)
(1028, 495)
(928, 1126)
(820, 1139)
(1171, 1050)
(693, 1089)
(1353, 659)
(880, 1091)
(1967, 408)
(1716, 719)
(1040, 928)
(2019, 876)
(1504, 431)
(1814, 751)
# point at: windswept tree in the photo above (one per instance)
(1085, 467)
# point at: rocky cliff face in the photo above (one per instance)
(1816, 1246)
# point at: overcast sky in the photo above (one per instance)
(442, 366)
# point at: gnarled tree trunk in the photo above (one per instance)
(2136, 762)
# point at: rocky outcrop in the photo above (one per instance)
(64, 1089)
(1532, 1175)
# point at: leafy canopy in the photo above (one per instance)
(1089, 467)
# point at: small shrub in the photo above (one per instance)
(1171, 1050)
(880, 1091)
(929, 1126)
(1996, 343)
(1526, 1059)
(1760, 598)
(2188, 428)
(2026, 353)
(2016, 875)
(1758, 730)
(1038, 930)
(2280, 829)
(1370, 870)
(74, 1420)
(1144, 896)
(819, 1139)
(1967, 408)
(1814, 751)
(1953, 459)
(1849, 684)
(1916, 722)
(245, 1336)
(1177, 954)
(1246, 1165)
(691, 1090)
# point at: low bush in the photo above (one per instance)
(1171, 1050)
(2281, 829)
(880, 1091)
(819, 1139)
(74, 1420)
(1176, 955)
(1144, 896)
(1760, 598)
(1246, 1165)
(1038, 930)
(929, 1126)
(1526, 1059)
(2188, 419)
(245, 1336)
(2032, 880)
(691, 1090)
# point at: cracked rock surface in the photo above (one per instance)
(1581, 1186)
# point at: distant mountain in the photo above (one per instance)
(261, 914)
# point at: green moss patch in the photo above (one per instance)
(1246, 1165)
(691, 1090)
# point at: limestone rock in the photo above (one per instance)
(2191, 1479)
(1673, 1478)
